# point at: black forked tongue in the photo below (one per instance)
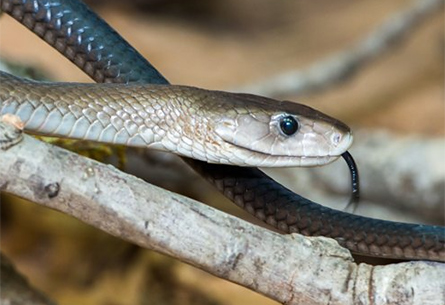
(355, 196)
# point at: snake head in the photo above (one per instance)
(295, 135)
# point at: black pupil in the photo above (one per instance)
(288, 125)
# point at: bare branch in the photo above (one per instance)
(288, 268)
(341, 66)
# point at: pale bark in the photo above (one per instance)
(291, 269)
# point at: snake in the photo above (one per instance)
(211, 126)
(90, 43)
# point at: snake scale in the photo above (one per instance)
(84, 38)
(211, 126)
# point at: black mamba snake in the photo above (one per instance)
(212, 126)
(84, 38)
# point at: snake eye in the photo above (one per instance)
(288, 125)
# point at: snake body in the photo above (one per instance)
(80, 35)
(212, 126)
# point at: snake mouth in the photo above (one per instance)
(260, 159)
(296, 161)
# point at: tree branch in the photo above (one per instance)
(341, 66)
(288, 268)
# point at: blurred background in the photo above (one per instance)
(395, 105)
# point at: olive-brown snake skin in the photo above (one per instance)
(84, 38)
